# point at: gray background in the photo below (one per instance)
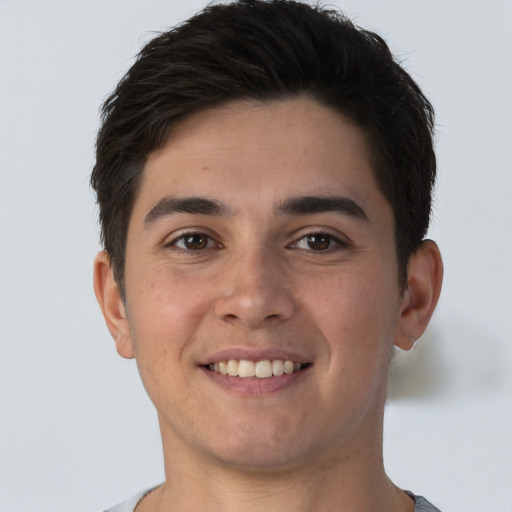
(76, 429)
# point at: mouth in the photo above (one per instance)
(263, 369)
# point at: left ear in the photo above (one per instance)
(424, 279)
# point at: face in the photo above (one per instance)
(259, 237)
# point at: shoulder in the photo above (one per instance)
(422, 504)
(129, 505)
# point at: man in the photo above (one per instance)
(264, 175)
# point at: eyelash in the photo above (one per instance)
(210, 242)
(334, 243)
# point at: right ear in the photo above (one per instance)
(109, 298)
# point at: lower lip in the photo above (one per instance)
(255, 386)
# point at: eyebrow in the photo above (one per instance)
(307, 205)
(193, 205)
(302, 205)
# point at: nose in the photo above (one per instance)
(254, 291)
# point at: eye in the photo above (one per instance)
(319, 242)
(193, 242)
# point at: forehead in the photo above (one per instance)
(261, 153)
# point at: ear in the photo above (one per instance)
(109, 297)
(424, 279)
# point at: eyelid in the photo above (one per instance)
(187, 232)
(342, 242)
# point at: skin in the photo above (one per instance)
(252, 285)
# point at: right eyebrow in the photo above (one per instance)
(308, 205)
(195, 205)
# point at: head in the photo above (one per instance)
(264, 175)
(267, 51)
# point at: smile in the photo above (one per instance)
(261, 369)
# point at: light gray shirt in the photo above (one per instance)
(422, 505)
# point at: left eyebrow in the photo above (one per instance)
(307, 205)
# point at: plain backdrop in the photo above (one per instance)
(77, 432)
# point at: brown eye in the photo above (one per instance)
(195, 242)
(192, 242)
(318, 242)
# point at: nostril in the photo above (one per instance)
(253, 307)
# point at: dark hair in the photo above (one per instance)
(267, 50)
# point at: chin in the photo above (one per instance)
(253, 459)
(266, 446)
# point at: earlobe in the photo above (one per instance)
(424, 280)
(109, 298)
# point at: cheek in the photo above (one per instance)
(357, 317)
(164, 314)
(164, 319)
(168, 301)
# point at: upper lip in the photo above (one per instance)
(253, 354)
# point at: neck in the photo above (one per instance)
(349, 478)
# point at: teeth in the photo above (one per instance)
(289, 367)
(278, 367)
(223, 367)
(246, 368)
(233, 367)
(261, 369)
